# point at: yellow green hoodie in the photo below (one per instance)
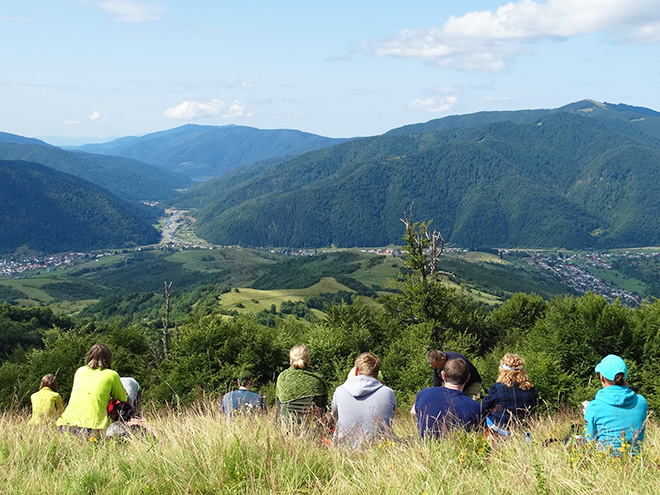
(92, 390)
(46, 406)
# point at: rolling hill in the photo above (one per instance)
(49, 211)
(584, 175)
(127, 178)
(201, 152)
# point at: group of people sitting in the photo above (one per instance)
(363, 407)
(100, 401)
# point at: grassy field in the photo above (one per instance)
(197, 451)
(254, 300)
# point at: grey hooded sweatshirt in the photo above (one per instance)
(363, 408)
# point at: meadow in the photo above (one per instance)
(197, 451)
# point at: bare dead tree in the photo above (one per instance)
(424, 248)
(166, 319)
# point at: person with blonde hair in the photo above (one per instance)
(363, 407)
(47, 404)
(512, 398)
(93, 386)
(300, 391)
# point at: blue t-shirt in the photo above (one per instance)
(243, 401)
(440, 409)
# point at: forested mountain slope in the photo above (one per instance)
(202, 152)
(49, 211)
(129, 179)
(585, 176)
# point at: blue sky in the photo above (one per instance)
(99, 68)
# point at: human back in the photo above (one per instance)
(299, 389)
(47, 404)
(363, 407)
(93, 386)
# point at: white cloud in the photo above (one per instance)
(71, 122)
(486, 40)
(192, 110)
(131, 11)
(96, 116)
(434, 105)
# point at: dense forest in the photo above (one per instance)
(127, 178)
(577, 178)
(50, 211)
(198, 151)
(562, 339)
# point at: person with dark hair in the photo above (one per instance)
(243, 399)
(617, 413)
(437, 359)
(47, 404)
(363, 407)
(440, 409)
(93, 386)
(512, 398)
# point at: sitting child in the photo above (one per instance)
(47, 404)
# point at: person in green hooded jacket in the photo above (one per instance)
(300, 391)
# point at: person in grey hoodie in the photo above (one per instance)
(363, 407)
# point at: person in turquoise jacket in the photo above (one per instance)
(617, 412)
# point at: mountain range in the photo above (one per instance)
(584, 175)
(49, 211)
(201, 152)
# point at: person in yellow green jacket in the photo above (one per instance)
(93, 386)
(47, 404)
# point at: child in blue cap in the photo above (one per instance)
(616, 413)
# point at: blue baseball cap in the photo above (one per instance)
(611, 365)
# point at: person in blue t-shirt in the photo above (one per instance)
(243, 399)
(616, 412)
(440, 409)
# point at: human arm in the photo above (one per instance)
(590, 428)
(490, 401)
(59, 405)
(117, 391)
(437, 378)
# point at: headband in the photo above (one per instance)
(510, 368)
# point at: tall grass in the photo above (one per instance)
(199, 452)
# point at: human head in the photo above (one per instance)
(245, 379)
(456, 372)
(48, 381)
(99, 356)
(299, 356)
(367, 364)
(436, 359)
(613, 369)
(512, 371)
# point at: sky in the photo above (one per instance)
(95, 69)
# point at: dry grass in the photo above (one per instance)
(198, 451)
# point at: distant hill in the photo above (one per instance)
(585, 175)
(125, 177)
(49, 211)
(202, 152)
(13, 138)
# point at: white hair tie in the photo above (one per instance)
(510, 368)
